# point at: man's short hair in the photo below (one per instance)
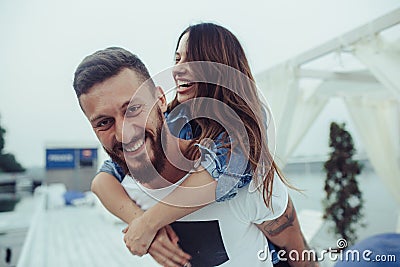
(104, 64)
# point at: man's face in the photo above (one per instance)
(127, 121)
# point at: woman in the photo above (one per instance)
(211, 43)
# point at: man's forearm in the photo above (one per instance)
(285, 232)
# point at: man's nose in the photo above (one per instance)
(119, 125)
(131, 131)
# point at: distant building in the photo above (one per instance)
(74, 166)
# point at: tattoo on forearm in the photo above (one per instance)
(276, 226)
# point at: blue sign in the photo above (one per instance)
(60, 158)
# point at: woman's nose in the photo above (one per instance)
(179, 69)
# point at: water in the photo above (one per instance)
(14, 224)
(13, 230)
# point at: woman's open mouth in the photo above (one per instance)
(184, 86)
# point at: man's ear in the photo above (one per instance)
(162, 101)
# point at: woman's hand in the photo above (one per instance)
(138, 236)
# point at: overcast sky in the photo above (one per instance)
(42, 42)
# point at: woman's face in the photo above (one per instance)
(185, 89)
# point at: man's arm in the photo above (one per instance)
(285, 232)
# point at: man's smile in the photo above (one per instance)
(134, 146)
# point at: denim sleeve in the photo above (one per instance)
(178, 123)
(112, 168)
(230, 169)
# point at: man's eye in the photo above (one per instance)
(134, 110)
(104, 124)
(177, 59)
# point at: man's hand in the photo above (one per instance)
(166, 251)
(164, 248)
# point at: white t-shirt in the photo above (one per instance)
(222, 233)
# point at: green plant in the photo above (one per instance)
(8, 163)
(344, 202)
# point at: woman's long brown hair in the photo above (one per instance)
(213, 43)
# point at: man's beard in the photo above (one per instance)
(115, 156)
(145, 172)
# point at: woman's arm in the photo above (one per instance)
(114, 198)
(164, 248)
(197, 191)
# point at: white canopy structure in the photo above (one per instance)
(368, 81)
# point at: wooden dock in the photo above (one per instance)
(75, 236)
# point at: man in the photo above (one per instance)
(225, 233)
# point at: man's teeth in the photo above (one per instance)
(135, 147)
